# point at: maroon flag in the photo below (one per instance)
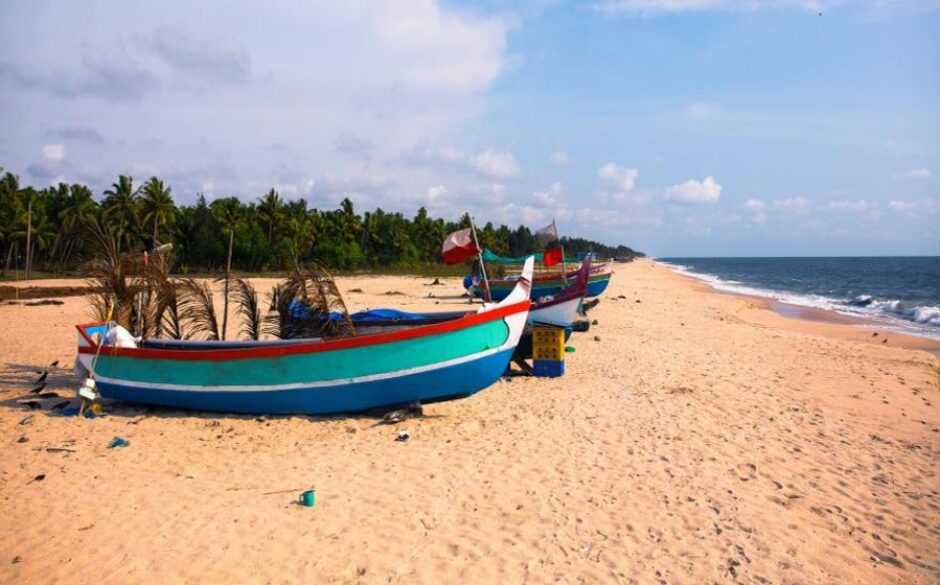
(458, 247)
(547, 234)
(552, 257)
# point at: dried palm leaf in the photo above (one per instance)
(197, 309)
(108, 274)
(247, 307)
(308, 304)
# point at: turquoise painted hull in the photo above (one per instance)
(446, 383)
(449, 359)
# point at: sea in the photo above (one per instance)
(895, 293)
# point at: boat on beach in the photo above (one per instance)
(552, 284)
(451, 358)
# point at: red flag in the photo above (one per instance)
(458, 247)
(552, 257)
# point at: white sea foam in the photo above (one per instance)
(890, 314)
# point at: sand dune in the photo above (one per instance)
(701, 439)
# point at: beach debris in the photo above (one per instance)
(23, 439)
(875, 334)
(42, 378)
(43, 302)
(638, 300)
(594, 322)
(32, 404)
(569, 349)
(38, 388)
(17, 559)
(61, 405)
(118, 442)
(308, 498)
(885, 340)
(403, 436)
(437, 282)
(46, 395)
(597, 338)
(54, 364)
(354, 290)
(412, 409)
(394, 293)
(590, 305)
(27, 420)
(39, 477)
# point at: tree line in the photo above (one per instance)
(267, 234)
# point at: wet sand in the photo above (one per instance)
(701, 438)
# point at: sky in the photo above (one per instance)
(677, 127)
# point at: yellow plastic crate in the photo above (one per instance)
(548, 343)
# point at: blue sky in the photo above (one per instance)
(679, 127)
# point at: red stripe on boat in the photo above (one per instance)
(301, 348)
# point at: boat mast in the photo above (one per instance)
(476, 242)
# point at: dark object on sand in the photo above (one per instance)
(621, 296)
(354, 290)
(39, 477)
(594, 322)
(60, 405)
(597, 338)
(46, 395)
(118, 442)
(43, 302)
(26, 420)
(590, 305)
(885, 340)
(23, 439)
(403, 436)
(411, 410)
(38, 388)
(32, 404)
(875, 334)
(42, 378)
(437, 282)
(394, 293)
(54, 364)
(638, 300)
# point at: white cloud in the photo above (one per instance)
(496, 165)
(859, 206)
(692, 191)
(533, 215)
(760, 217)
(559, 159)
(53, 153)
(901, 206)
(675, 6)
(622, 177)
(551, 197)
(450, 154)
(794, 204)
(699, 111)
(755, 204)
(921, 173)
(436, 193)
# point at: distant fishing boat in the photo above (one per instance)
(550, 284)
(427, 362)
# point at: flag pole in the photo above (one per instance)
(564, 266)
(486, 284)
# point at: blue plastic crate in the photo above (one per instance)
(548, 368)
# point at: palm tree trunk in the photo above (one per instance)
(6, 267)
(155, 218)
(228, 269)
(29, 233)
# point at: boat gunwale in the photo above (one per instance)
(313, 346)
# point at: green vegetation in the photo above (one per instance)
(265, 235)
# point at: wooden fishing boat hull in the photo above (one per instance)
(436, 362)
(499, 289)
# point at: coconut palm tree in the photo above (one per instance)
(156, 205)
(271, 209)
(228, 214)
(119, 209)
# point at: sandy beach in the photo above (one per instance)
(697, 437)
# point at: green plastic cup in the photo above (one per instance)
(308, 498)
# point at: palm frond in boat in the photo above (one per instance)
(197, 309)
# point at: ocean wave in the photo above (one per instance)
(891, 313)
